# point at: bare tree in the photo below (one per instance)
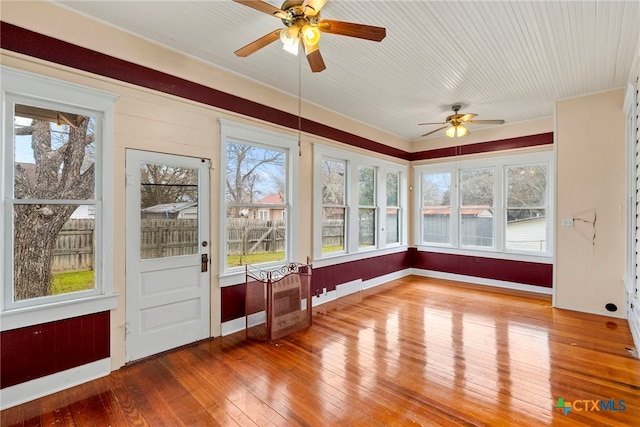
(248, 168)
(62, 172)
(167, 184)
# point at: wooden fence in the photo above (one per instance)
(174, 237)
(73, 250)
(161, 238)
(250, 236)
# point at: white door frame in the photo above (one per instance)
(168, 300)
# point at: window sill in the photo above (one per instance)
(36, 315)
(344, 257)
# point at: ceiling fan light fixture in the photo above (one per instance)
(311, 34)
(457, 131)
(290, 40)
(292, 48)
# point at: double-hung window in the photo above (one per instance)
(56, 203)
(499, 204)
(367, 207)
(257, 213)
(361, 203)
(393, 207)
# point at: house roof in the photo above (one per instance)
(507, 60)
(465, 210)
(271, 199)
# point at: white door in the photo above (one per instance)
(167, 235)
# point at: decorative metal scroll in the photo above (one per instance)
(278, 301)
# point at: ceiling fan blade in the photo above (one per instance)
(360, 31)
(434, 131)
(264, 7)
(434, 123)
(467, 117)
(258, 44)
(486, 122)
(314, 58)
(312, 7)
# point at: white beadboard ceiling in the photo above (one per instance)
(500, 59)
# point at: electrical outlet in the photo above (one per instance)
(567, 222)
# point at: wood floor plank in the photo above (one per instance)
(415, 351)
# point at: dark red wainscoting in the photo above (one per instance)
(528, 273)
(36, 351)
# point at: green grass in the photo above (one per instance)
(334, 248)
(63, 283)
(236, 260)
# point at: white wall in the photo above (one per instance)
(590, 144)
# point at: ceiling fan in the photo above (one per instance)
(303, 25)
(456, 123)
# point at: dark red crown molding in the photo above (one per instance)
(485, 147)
(27, 42)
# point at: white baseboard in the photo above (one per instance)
(381, 280)
(348, 288)
(634, 325)
(232, 326)
(324, 298)
(30, 390)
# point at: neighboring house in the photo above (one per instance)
(268, 213)
(186, 210)
(527, 234)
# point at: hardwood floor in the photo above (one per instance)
(413, 352)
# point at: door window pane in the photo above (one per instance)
(168, 211)
(436, 208)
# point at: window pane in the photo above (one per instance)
(54, 159)
(333, 230)
(253, 173)
(366, 186)
(254, 240)
(527, 186)
(393, 226)
(436, 208)
(53, 249)
(392, 189)
(333, 182)
(256, 212)
(168, 211)
(54, 154)
(526, 230)
(526, 208)
(476, 210)
(367, 227)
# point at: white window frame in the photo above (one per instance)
(244, 134)
(397, 207)
(500, 163)
(32, 89)
(376, 207)
(353, 161)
